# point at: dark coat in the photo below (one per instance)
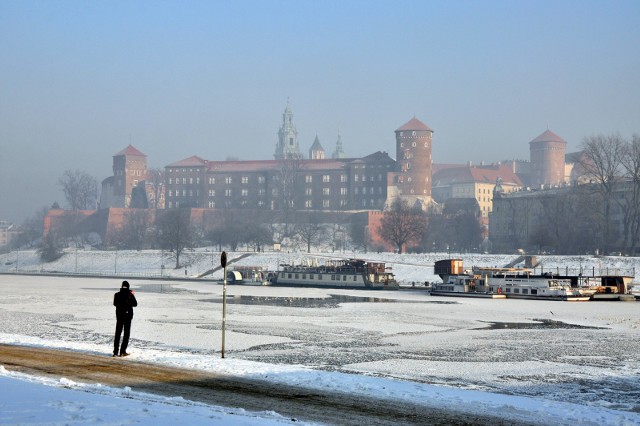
(124, 301)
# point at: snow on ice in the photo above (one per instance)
(569, 363)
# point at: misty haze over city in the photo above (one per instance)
(82, 80)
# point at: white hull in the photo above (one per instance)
(468, 294)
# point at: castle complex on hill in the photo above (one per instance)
(338, 183)
(362, 186)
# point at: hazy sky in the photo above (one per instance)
(80, 80)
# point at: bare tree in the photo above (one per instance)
(50, 248)
(70, 228)
(603, 166)
(80, 189)
(310, 230)
(568, 221)
(175, 233)
(402, 224)
(631, 204)
(134, 233)
(288, 187)
(31, 230)
(231, 229)
(257, 230)
(359, 235)
(156, 178)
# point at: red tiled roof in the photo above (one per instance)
(378, 156)
(130, 150)
(548, 136)
(274, 165)
(193, 161)
(414, 124)
(437, 167)
(476, 174)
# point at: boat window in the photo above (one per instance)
(355, 278)
(344, 278)
(304, 276)
(508, 289)
(516, 290)
(333, 277)
(289, 275)
(319, 276)
(534, 291)
(310, 276)
(525, 291)
(297, 276)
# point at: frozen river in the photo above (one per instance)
(585, 353)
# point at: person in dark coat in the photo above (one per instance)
(124, 301)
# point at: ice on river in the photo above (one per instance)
(554, 362)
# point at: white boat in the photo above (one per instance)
(460, 283)
(344, 273)
(522, 283)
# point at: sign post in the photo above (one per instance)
(223, 263)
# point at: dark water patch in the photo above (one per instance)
(538, 324)
(150, 288)
(333, 301)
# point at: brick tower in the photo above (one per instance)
(413, 159)
(547, 155)
(129, 169)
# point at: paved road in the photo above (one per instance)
(254, 395)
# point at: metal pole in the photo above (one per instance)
(223, 262)
(224, 308)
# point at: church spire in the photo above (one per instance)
(287, 146)
(339, 152)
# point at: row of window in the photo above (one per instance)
(228, 204)
(357, 166)
(184, 181)
(260, 203)
(184, 193)
(414, 144)
(261, 179)
(334, 277)
(261, 192)
(132, 172)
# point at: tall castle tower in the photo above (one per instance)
(287, 146)
(129, 169)
(547, 155)
(413, 159)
